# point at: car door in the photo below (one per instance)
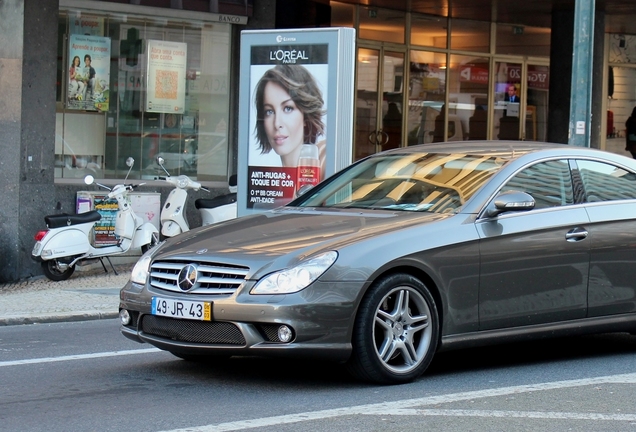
(611, 204)
(534, 264)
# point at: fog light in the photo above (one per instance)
(284, 333)
(124, 317)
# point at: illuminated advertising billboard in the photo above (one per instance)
(296, 112)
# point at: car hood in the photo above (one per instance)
(284, 236)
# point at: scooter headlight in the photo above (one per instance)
(182, 181)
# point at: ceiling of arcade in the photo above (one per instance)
(620, 14)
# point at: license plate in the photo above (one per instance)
(184, 309)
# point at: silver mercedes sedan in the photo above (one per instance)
(401, 255)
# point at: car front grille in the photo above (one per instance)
(213, 278)
(223, 333)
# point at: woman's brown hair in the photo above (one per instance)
(303, 90)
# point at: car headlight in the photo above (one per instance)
(297, 278)
(140, 271)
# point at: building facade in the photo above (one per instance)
(87, 84)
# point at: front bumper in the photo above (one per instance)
(320, 316)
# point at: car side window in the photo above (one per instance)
(606, 182)
(549, 183)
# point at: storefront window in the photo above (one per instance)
(621, 102)
(150, 88)
(509, 100)
(428, 30)
(468, 98)
(427, 93)
(521, 40)
(622, 48)
(382, 24)
(467, 35)
(620, 90)
(342, 14)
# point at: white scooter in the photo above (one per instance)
(173, 218)
(218, 209)
(67, 241)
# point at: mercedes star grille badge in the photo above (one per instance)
(187, 277)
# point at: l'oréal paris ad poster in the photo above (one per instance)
(287, 121)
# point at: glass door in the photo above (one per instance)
(520, 92)
(508, 98)
(379, 101)
(538, 85)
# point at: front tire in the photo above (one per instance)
(396, 331)
(53, 271)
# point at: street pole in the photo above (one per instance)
(582, 58)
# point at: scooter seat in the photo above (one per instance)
(62, 220)
(209, 203)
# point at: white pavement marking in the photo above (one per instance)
(398, 407)
(77, 357)
(505, 414)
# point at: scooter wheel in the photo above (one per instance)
(153, 242)
(53, 272)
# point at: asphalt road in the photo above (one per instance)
(85, 376)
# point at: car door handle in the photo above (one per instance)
(576, 234)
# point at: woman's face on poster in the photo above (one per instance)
(284, 122)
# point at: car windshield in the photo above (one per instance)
(431, 182)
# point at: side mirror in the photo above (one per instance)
(130, 162)
(160, 160)
(89, 179)
(510, 201)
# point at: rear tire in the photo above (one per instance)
(396, 331)
(53, 272)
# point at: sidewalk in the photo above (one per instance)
(86, 295)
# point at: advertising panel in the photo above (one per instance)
(296, 112)
(89, 73)
(166, 76)
(289, 122)
(146, 205)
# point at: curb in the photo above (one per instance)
(57, 318)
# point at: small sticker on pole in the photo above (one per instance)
(580, 128)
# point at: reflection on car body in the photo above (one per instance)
(401, 255)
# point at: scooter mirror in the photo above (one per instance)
(130, 162)
(89, 179)
(160, 160)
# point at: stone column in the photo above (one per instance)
(28, 64)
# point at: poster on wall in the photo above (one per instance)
(166, 72)
(86, 25)
(89, 73)
(296, 105)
